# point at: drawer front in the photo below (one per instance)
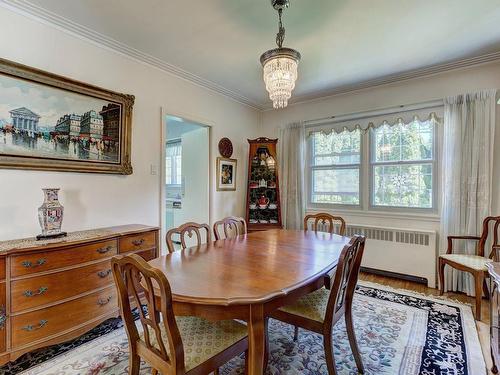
(148, 254)
(49, 260)
(36, 325)
(137, 242)
(3, 319)
(40, 290)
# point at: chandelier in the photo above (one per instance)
(280, 64)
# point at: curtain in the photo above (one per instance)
(292, 176)
(469, 127)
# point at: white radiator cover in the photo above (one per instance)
(399, 250)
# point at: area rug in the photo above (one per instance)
(399, 333)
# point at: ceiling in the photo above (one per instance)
(342, 42)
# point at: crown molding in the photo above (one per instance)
(40, 14)
(396, 78)
(30, 10)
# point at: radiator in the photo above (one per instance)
(399, 251)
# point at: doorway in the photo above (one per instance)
(185, 173)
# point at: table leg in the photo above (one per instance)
(256, 340)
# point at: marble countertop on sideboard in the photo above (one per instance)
(74, 237)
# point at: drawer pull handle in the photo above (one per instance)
(39, 262)
(30, 327)
(104, 250)
(103, 274)
(103, 301)
(40, 291)
(138, 242)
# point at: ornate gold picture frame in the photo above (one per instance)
(226, 174)
(50, 122)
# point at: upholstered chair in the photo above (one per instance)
(170, 344)
(321, 310)
(188, 229)
(474, 264)
(231, 226)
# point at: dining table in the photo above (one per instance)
(248, 277)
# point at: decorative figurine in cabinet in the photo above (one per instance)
(263, 196)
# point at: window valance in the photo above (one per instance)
(364, 123)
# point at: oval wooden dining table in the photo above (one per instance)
(248, 277)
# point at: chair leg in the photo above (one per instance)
(295, 333)
(266, 344)
(330, 359)
(352, 339)
(134, 363)
(486, 290)
(154, 371)
(478, 281)
(441, 276)
(246, 362)
(216, 372)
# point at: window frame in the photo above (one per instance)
(366, 179)
(309, 177)
(173, 164)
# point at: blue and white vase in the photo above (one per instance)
(50, 213)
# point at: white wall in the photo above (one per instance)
(409, 92)
(93, 200)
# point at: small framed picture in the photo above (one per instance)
(226, 174)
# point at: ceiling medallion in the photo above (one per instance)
(280, 64)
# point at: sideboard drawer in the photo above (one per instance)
(137, 242)
(49, 260)
(148, 254)
(40, 290)
(36, 325)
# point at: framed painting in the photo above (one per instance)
(226, 174)
(49, 122)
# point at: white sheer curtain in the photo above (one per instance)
(469, 129)
(292, 163)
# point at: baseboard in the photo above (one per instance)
(396, 275)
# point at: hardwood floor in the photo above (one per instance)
(483, 326)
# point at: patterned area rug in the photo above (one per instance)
(399, 332)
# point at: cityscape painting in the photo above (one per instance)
(51, 122)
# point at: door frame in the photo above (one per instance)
(164, 125)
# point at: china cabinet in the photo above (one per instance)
(263, 193)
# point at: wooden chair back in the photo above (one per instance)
(232, 226)
(494, 223)
(346, 278)
(135, 279)
(188, 229)
(323, 219)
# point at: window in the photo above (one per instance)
(173, 163)
(402, 158)
(336, 167)
(391, 166)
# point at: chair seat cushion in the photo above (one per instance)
(203, 339)
(475, 262)
(312, 306)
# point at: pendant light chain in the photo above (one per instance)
(280, 37)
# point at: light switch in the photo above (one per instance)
(154, 170)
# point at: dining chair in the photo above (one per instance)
(322, 219)
(232, 226)
(474, 264)
(319, 311)
(170, 344)
(188, 229)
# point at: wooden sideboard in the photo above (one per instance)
(55, 290)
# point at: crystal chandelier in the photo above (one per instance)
(280, 64)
